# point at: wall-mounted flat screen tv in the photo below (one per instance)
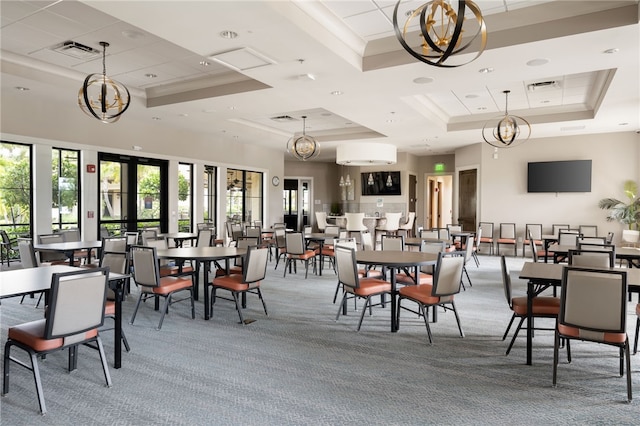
(559, 176)
(381, 183)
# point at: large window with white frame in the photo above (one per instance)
(244, 196)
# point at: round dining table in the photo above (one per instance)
(179, 237)
(392, 260)
(69, 248)
(203, 256)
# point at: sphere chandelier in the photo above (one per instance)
(101, 97)
(303, 147)
(506, 132)
(441, 29)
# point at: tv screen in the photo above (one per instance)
(381, 183)
(559, 176)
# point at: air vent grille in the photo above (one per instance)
(543, 85)
(76, 50)
(283, 118)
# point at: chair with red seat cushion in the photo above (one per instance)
(425, 274)
(446, 284)
(255, 270)
(487, 235)
(593, 308)
(296, 250)
(146, 274)
(508, 237)
(542, 306)
(353, 285)
(75, 311)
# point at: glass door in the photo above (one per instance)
(133, 193)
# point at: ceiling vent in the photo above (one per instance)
(76, 50)
(283, 119)
(543, 85)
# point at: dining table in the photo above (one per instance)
(629, 254)
(20, 282)
(69, 248)
(417, 241)
(179, 237)
(392, 260)
(541, 276)
(203, 256)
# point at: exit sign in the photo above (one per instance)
(438, 167)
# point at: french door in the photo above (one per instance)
(133, 192)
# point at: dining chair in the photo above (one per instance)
(542, 306)
(592, 258)
(74, 314)
(390, 224)
(447, 280)
(147, 235)
(296, 251)
(248, 281)
(114, 244)
(8, 247)
(508, 237)
(205, 238)
(118, 262)
(425, 272)
(55, 258)
(429, 233)
(242, 243)
(593, 308)
(166, 267)
(355, 287)
(536, 253)
(635, 342)
(476, 246)
(392, 242)
(532, 230)
(588, 230)
(321, 220)
(468, 255)
(487, 235)
(132, 238)
(279, 235)
(28, 259)
(556, 228)
(146, 274)
(407, 226)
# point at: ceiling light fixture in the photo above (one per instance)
(303, 147)
(506, 131)
(441, 31)
(366, 154)
(102, 97)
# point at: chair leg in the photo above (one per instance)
(455, 312)
(364, 309)
(423, 309)
(238, 307)
(262, 300)
(165, 309)
(513, 339)
(556, 346)
(135, 311)
(628, 357)
(103, 359)
(635, 343)
(342, 305)
(504, 336)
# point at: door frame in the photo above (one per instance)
(427, 198)
(456, 190)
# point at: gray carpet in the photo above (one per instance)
(298, 366)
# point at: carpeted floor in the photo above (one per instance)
(298, 366)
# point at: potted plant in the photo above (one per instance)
(627, 213)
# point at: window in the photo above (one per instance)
(65, 200)
(15, 189)
(185, 200)
(244, 196)
(209, 191)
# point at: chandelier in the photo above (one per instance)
(506, 132)
(303, 147)
(441, 31)
(101, 97)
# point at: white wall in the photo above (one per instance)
(503, 181)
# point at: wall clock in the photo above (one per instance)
(275, 181)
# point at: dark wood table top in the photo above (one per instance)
(201, 253)
(552, 273)
(392, 258)
(69, 246)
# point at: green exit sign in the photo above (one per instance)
(438, 167)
